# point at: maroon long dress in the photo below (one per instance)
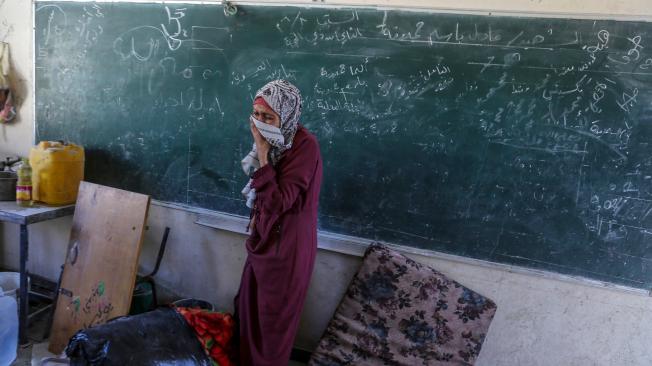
(281, 253)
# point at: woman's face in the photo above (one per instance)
(266, 115)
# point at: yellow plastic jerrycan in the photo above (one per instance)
(57, 170)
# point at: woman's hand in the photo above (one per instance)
(262, 146)
(252, 223)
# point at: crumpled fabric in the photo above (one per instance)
(7, 108)
(215, 332)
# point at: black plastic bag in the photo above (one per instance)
(157, 338)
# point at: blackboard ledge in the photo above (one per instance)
(355, 246)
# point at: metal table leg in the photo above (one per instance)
(24, 293)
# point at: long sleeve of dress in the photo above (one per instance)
(281, 253)
(277, 193)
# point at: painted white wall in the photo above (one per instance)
(539, 321)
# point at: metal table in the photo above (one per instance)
(23, 216)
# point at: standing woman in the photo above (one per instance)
(283, 194)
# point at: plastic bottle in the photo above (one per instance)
(8, 329)
(24, 185)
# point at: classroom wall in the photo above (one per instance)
(539, 321)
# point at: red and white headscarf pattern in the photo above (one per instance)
(285, 100)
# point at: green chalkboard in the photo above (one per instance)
(523, 141)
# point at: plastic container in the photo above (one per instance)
(8, 186)
(58, 168)
(8, 329)
(142, 299)
(10, 283)
(194, 303)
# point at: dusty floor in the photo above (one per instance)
(24, 357)
(32, 354)
(36, 334)
(38, 331)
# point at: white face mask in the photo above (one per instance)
(272, 134)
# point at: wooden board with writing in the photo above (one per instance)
(102, 260)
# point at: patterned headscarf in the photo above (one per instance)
(285, 100)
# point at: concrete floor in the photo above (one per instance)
(24, 357)
(37, 348)
(32, 355)
(35, 352)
